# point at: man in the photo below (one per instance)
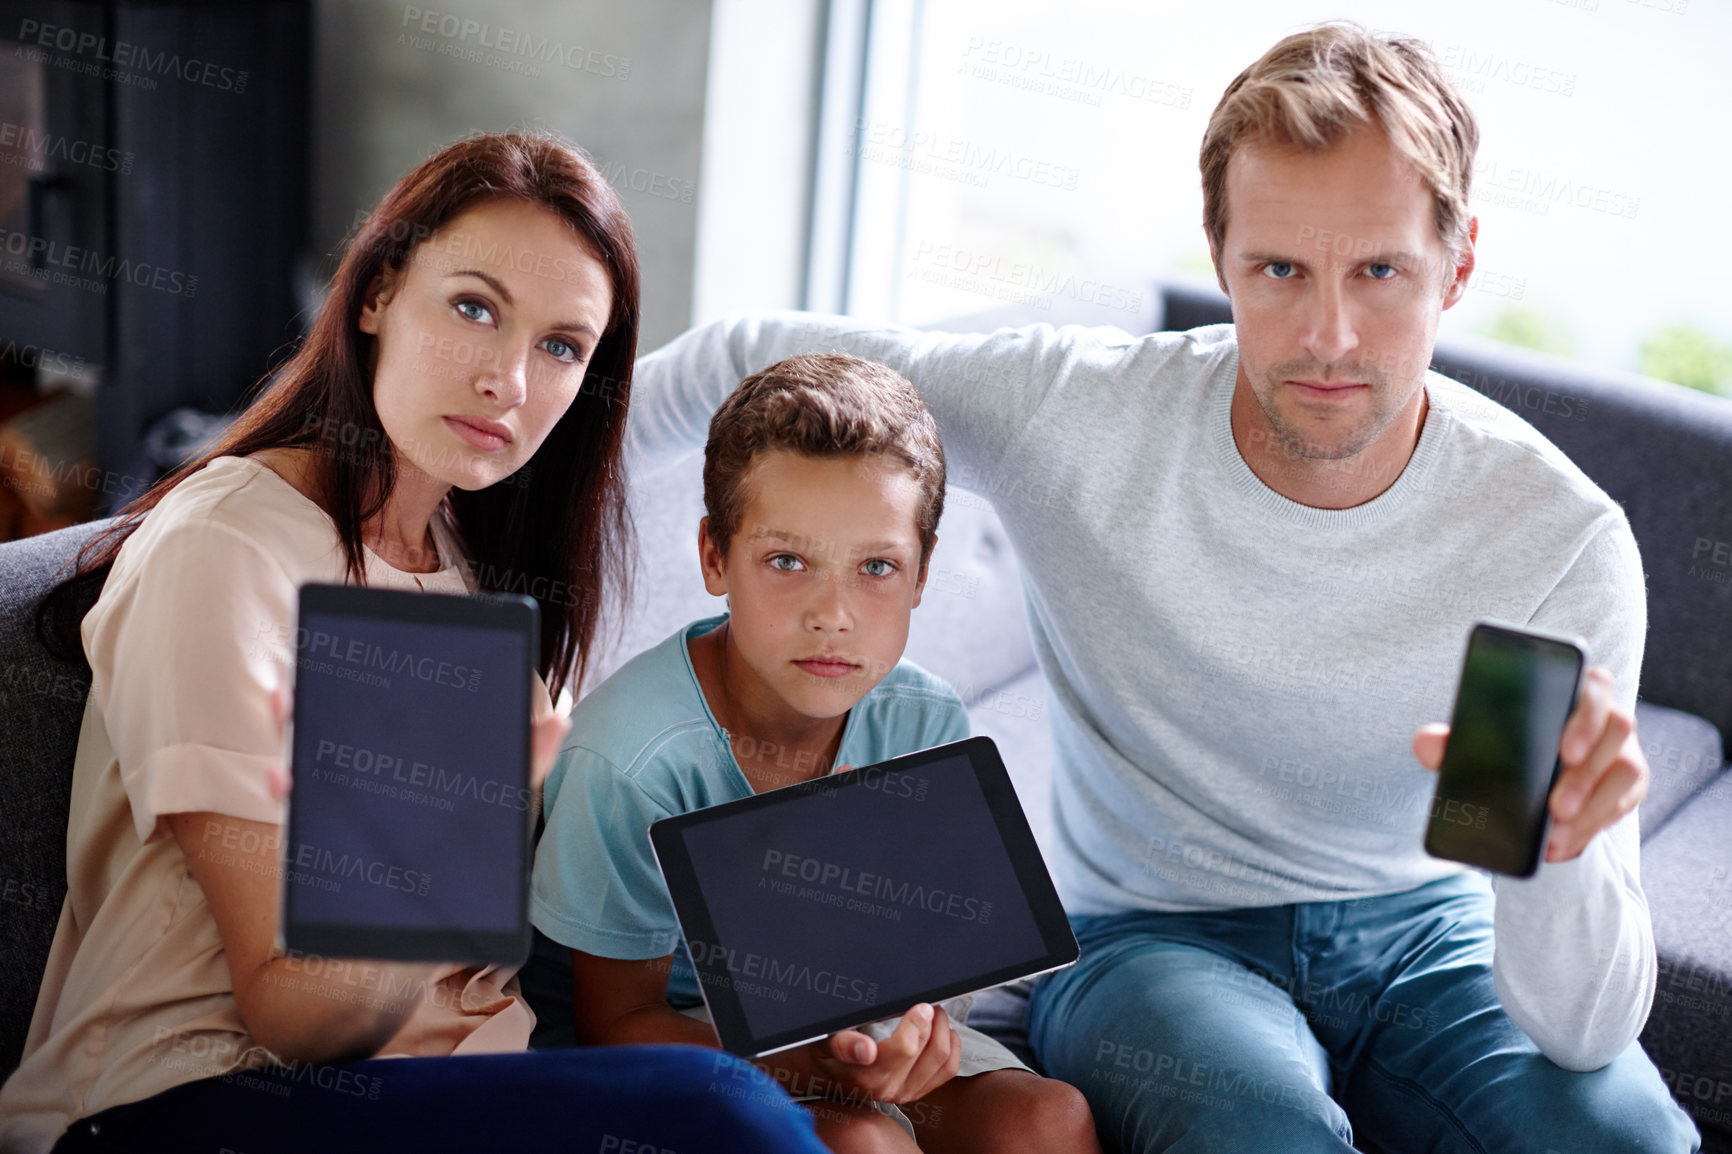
(1252, 554)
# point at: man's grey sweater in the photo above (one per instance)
(1235, 677)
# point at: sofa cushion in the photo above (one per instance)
(1015, 717)
(971, 627)
(1683, 752)
(1687, 875)
(41, 709)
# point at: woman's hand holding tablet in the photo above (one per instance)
(276, 1004)
(304, 1016)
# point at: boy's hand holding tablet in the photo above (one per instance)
(919, 1056)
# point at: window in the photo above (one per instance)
(1046, 155)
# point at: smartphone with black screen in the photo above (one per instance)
(410, 821)
(1518, 687)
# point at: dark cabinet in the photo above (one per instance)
(153, 199)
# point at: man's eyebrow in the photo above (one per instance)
(494, 283)
(1398, 256)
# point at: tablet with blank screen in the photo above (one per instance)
(836, 902)
(410, 818)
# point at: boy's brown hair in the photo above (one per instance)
(821, 405)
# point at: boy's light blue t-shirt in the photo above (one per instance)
(643, 746)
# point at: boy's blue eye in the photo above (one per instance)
(884, 568)
(792, 565)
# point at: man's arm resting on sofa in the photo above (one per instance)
(982, 389)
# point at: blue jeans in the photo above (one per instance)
(1268, 1029)
(626, 1099)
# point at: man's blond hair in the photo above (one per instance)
(1315, 87)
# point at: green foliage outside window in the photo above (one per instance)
(1686, 355)
(1530, 329)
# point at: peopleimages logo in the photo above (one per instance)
(830, 876)
(327, 870)
(355, 658)
(126, 55)
(510, 42)
(413, 781)
(52, 257)
(764, 976)
(32, 143)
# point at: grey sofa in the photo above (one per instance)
(1662, 451)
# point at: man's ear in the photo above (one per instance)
(711, 560)
(377, 296)
(925, 564)
(1457, 287)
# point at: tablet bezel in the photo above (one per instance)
(715, 983)
(511, 613)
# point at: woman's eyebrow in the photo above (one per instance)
(494, 283)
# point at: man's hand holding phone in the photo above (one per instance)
(1604, 773)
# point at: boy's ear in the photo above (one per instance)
(920, 581)
(711, 560)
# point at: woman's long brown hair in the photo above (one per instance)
(558, 529)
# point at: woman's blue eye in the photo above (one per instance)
(1381, 271)
(560, 348)
(793, 563)
(884, 570)
(480, 313)
(1278, 269)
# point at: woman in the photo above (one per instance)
(454, 421)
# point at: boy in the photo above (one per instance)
(823, 486)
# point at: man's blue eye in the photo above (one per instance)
(792, 565)
(1278, 269)
(1381, 271)
(884, 570)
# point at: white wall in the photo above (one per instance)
(392, 85)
